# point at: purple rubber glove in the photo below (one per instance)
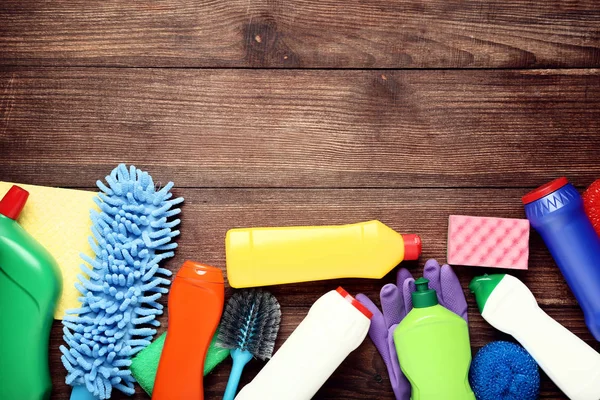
(396, 303)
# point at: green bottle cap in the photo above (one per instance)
(483, 286)
(424, 297)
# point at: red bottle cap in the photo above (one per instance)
(412, 246)
(544, 190)
(357, 304)
(13, 202)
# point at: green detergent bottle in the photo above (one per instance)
(433, 349)
(30, 284)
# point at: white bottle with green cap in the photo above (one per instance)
(509, 306)
(433, 349)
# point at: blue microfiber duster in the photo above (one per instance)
(132, 234)
(504, 371)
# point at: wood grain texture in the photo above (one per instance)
(209, 213)
(296, 113)
(68, 127)
(298, 34)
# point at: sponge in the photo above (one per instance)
(488, 242)
(504, 371)
(591, 203)
(60, 220)
(145, 363)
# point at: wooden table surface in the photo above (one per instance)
(311, 112)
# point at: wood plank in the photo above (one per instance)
(282, 128)
(306, 33)
(209, 213)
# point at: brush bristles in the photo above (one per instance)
(250, 322)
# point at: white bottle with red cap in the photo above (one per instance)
(336, 325)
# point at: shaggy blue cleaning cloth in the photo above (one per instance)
(132, 234)
(504, 371)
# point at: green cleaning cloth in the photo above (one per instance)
(145, 363)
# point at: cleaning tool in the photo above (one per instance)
(336, 325)
(488, 242)
(145, 363)
(396, 302)
(132, 234)
(556, 211)
(591, 204)
(59, 219)
(504, 371)
(508, 305)
(30, 285)
(250, 324)
(273, 256)
(195, 308)
(433, 348)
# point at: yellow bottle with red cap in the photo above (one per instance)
(273, 256)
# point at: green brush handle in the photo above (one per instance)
(240, 359)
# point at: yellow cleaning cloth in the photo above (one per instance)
(60, 220)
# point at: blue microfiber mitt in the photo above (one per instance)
(504, 371)
(132, 234)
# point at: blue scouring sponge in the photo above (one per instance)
(504, 371)
(131, 235)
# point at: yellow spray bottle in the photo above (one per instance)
(273, 256)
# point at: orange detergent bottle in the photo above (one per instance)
(195, 307)
(272, 256)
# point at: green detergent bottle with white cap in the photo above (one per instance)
(434, 349)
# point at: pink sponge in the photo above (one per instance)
(488, 242)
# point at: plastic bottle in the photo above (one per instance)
(272, 256)
(30, 285)
(509, 306)
(556, 211)
(433, 349)
(195, 307)
(336, 325)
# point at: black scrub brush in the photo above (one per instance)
(248, 328)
